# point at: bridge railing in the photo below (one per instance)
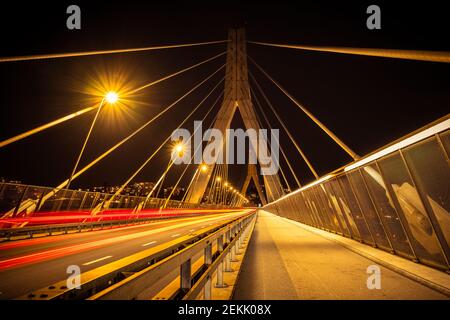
(397, 198)
(13, 195)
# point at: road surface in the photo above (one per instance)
(27, 265)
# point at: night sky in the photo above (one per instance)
(366, 101)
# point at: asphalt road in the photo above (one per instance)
(28, 265)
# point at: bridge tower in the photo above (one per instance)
(237, 97)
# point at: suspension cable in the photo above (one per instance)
(422, 55)
(258, 119)
(308, 113)
(206, 115)
(283, 175)
(47, 125)
(98, 52)
(302, 154)
(168, 138)
(96, 106)
(259, 106)
(106, 153)
(175, 74)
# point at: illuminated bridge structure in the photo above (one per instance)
(387, 211)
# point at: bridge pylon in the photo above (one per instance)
(236, 97)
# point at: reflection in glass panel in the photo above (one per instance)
(424, 238)
(368, 209)
(292, 210)
(306, 218)
(77, 198)
(386, 209)
(333, 203)
(308, 210)
(323, 211)
(431, 173)
(10, 197)
(445, 138)
(312, 208)
(320, 190)
(341, 202)
(355, 211)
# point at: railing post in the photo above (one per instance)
(236, 249)
(220, 243)
(228, 262)
(207, 290)
(220, 270)
(221, 267)
(208, 255)
(233, 251)
(185, 276)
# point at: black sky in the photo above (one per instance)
(366, 101)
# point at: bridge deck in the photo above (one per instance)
(286, 261)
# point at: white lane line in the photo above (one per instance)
(175, 235)
(148, 243)
(97, 260)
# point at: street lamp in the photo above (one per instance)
(112, 97)
(177, 150)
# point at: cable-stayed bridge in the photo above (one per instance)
(388, 209)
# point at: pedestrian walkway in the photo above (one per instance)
(286, 260)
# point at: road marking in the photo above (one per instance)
(175, 235)
(149, 243)
(97, 260)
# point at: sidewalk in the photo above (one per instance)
(287, 260)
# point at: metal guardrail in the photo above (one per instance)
(220, 265)
(128, 277)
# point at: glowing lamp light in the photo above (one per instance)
(179, 148)
(204, 167)
(111, 97)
